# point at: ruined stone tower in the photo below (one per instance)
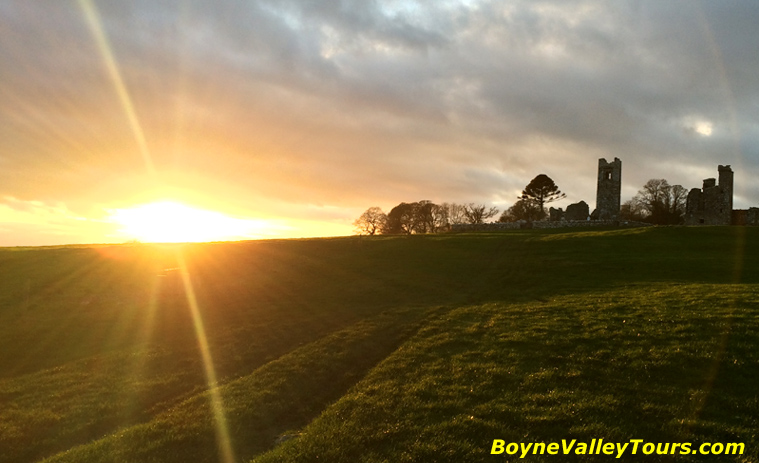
(726, 183)
(712, 204)
(609, 190)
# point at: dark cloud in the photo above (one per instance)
(350, 104)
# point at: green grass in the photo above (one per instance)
(617, 365)
(421, 348)
(277, 397)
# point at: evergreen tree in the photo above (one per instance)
(542, 190)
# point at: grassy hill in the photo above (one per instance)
(421, 348)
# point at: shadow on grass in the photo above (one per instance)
(264, 299)
(675, 365)
(283, 395)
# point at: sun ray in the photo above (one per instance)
(95, 25)
(226, 454)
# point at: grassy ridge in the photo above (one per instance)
(284, 394)
(664, 364)
(98, 340)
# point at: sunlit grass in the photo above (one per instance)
(99, 342)
(617, 365)
(223, 442)
(269, 402)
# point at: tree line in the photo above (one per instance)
(421, 217)
(428, 217)
(657, 202)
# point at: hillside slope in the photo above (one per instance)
(101, 342)
(665, 364)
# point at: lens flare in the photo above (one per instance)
(95, 25)
(226, 454)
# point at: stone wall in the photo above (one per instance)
(752, 216)
(748, 216)
(545, 224)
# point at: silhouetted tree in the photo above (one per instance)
(524, 209)
(426, 217)
(542, 190)
(455, 213)
(440, 217)
(478, 213)
(678, 200)
(632, 210)
(401, 219)
(418, 217)
(660, 203)
(372, 221)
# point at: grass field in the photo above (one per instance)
(397, 349)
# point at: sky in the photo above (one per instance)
(289, 118)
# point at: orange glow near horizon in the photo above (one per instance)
(174, 222)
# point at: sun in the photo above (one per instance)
(174, 222)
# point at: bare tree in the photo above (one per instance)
(478, 213)
(440, 217)
(659, 202)
(655, 191)
(372, 221)
(425, 217)
(633, 210)
(455, 213)
(679, 198)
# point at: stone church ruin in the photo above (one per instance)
(574, 212)
(713, 203)
(710, 205)
(608, 190)
(608, 196)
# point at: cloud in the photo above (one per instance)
(33, 223)
(277, 106)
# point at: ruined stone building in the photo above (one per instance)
(748, 216)
(608, 196)
(576, 211)
(609, 190)
(712, 204)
